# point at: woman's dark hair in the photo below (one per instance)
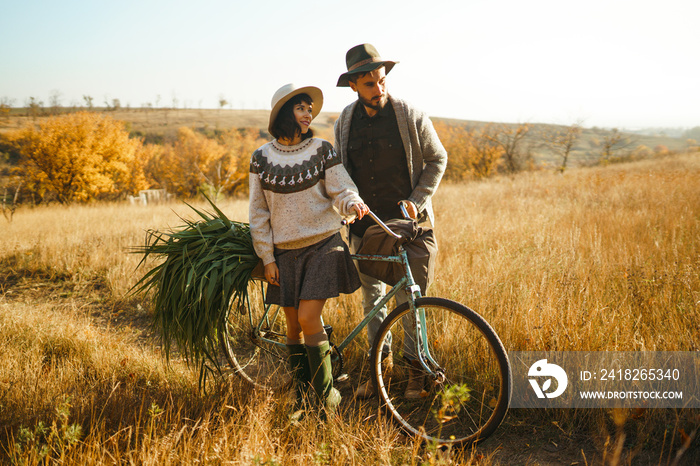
(285, 125)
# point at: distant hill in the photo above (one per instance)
(160, 124)
(165, 122)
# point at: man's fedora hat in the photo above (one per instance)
(288, 91)
(363, 58)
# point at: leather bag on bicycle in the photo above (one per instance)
(419, 243)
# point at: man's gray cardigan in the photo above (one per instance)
(425, 155)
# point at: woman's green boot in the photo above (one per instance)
(299, 368)
(322, 377)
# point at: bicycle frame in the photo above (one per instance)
(413, 291)
(406, 282)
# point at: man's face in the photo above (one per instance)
(371, 89)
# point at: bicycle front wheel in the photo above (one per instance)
(254, 341)
(467, 396)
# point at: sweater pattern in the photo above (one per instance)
(280, 177)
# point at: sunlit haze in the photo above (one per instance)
(609, 63)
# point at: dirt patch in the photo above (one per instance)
(89, 294)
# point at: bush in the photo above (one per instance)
(78, 157)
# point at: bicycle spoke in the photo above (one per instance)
(471, 400)
(254, 344)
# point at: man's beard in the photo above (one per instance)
(377, 105)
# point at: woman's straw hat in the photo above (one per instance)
(288, 91)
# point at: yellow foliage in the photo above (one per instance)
(641, 151)
(78, 157)
(660, 149)
(194, 161)
(241, 143)
(190, 162)
(470, 153)
(150, 157)
(185, 162)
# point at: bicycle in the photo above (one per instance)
(468, 390)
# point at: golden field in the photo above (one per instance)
(604, 258)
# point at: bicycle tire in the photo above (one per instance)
(471, 355)
(262, 363)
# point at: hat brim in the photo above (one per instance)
(313, 92)
(344, 79)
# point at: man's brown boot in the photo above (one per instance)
(416, 382)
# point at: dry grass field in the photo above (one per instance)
(604, 258)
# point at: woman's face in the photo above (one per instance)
(302, 115)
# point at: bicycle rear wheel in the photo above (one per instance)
(471, 400)
(254, 341)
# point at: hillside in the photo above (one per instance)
(157, 125)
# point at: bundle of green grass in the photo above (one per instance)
(207, 266)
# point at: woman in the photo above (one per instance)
(296, 180)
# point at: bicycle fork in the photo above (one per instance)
(426, 360)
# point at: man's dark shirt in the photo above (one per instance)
(378, 164)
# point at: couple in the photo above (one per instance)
(386, 152)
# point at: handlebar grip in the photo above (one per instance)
(404, 212)
(378, 221)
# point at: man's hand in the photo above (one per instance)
(272, 274)
(411, 209)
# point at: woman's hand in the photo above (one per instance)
(361, 210)
(272, 274)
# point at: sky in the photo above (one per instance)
(605, 63)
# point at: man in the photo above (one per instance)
(393, 155)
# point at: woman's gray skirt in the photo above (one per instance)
(320, 271)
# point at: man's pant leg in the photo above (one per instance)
(373, 291)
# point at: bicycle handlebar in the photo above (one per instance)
(380, 223)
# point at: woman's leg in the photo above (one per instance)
(293, 328)
(309, 317)
(318, 351)
(298, 360)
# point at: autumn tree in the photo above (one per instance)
(152, 162)
(562, 140)
(55, 101)
(610, 143)
(222, 103)
(510, 139)
(6, 106)
(471, 154)
(78, 157)
(240, 144)
(192, 162)
(34, 107)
